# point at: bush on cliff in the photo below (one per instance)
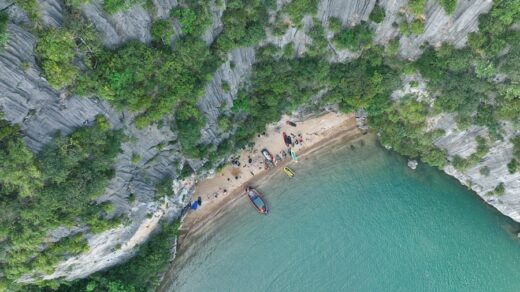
(354, 38)
(56, 49)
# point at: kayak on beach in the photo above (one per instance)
(257, 200)
(289, 172)
(293, 155)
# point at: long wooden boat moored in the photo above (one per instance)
(257, 200)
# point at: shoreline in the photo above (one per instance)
(196, 224)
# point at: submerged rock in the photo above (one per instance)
(412, 164)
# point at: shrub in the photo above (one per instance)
(482, 149)
(113, 6)
(288, 51)
(56, 49)
(417, 26)
(297, 9)
(75, 3)
(225, 86)
(449, 6)
(319, 42)
(512, 166)
(135, 158)
(377, 15)
(224, 124)
(484, 171)
(194, 19)
(243, 25)
(354, 38)
(31, 7)
(417, 6)
(335, 24)
(393, 47)
(516, 147)
(164, 187)
(4, 35)
(500, 189)
(162, 31)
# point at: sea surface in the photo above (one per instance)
(358, 220)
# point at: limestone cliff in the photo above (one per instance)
(41, 111)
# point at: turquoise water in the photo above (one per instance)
(359, 220)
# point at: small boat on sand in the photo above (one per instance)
(292, 124)
(257, 200)
(287, 139)
(267, 155)
(289, 172)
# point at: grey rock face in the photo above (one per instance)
(51, 12)
(463, 143)
(215, 100)
(120, 27)
(439, 27)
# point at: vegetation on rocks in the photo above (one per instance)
(113, 6)
(57, 187)
(449, 6)
(161, 83)
(297, 9)
(4, 35)
(141, 273)
(378, 14)
(354, 38)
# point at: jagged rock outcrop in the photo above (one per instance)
(216, 100)
(439, 27)
(462, 143)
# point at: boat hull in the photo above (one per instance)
(257, 201)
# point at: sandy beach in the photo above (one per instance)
(230, 181)
(225, 189)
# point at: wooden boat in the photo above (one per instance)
(289, 172)
(287, 139)
(257, 200)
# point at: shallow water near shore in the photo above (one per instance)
(358, 220)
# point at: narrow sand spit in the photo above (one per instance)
(221, 193)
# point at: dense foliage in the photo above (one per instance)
(354, 38)
(377, 15)
(56, 49)
(297, 9)
(55, 188)
(113, 6)
(244, 25)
